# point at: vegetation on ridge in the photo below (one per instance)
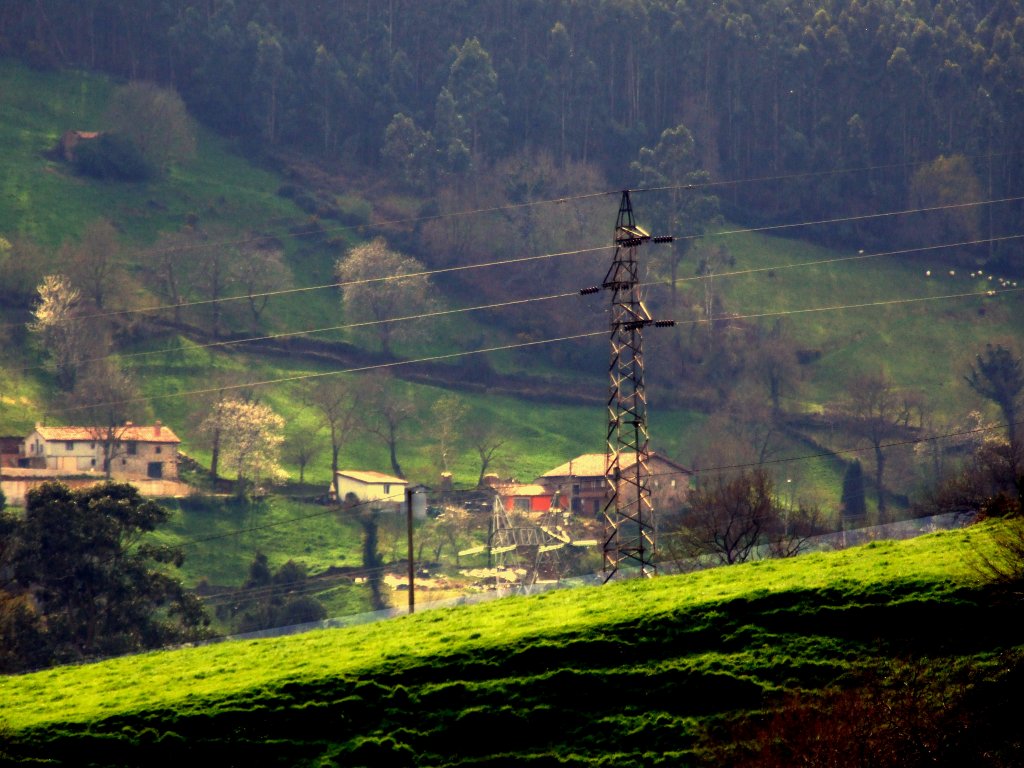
(547, 675)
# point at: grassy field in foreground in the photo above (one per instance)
(628, 674)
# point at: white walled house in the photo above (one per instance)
(149, 451)
(370, 486)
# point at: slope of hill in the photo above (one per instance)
(664, 672)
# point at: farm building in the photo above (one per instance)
(580, 482)
(370, 486)
(135, 451)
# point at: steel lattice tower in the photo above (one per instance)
(628, 512)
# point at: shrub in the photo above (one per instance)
(113, 157)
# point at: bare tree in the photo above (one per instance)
(712, 260)
(93, 262)
(172, 262)
(794, 531)
(486, 438)
(386, 408)
(302, 446)
(20, 264)
(447, 414)
(339, 411)
(730, 517)
(876, 412)
(214, 275)
(105, 399)
(259, 268)
(774, 363)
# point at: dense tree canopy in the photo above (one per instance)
(783, 91)
(79, 580)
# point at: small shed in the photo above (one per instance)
(370, 486)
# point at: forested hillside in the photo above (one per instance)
(428, 90)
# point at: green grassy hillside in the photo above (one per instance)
(923, 345)
(641, 673)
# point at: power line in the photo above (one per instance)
(396, 498)
(342, 284)
(837, 451)
(524, 259)
(855, 257)
(861, 305)
(357, 369)
(326, 329)
(515, 302)
(848, 219)
(526, 344)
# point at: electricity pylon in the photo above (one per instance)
(630, 529)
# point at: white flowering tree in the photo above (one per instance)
(251, 435)
(59, 331)
(374, 293)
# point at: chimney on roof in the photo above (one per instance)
(156, 427)
(128, 424)
(490, 480)
(446, 481)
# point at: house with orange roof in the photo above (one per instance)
(136, 451)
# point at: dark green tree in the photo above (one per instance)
(852, 502)
(686, 209)
(473, 85)
(275, 599)
(99, 587)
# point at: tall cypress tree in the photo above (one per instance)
(852, 501)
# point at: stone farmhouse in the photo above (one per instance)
(138, 451)
(580, 482)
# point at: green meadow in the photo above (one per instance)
(633, 673)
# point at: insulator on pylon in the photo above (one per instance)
(588, 291)
(664, 239)
(635, 325)
(664, 323)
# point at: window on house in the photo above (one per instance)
(69, 445)
(157, 450)
(92, 462)
(133, 448)
(522, 505)
(387, 489)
